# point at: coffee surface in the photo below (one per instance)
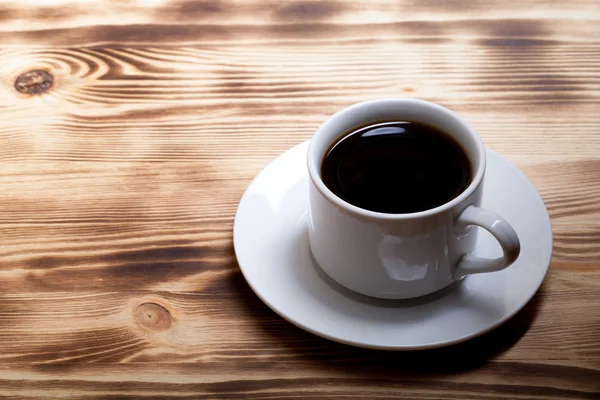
(397, 168)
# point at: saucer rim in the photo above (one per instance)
(429, 346)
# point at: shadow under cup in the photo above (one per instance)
(391, 255)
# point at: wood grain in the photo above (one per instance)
(120, 182)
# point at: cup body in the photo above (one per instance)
(383, 255)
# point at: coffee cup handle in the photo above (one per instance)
(500, 229)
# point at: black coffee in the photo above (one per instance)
(397, 168)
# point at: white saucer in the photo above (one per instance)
(271, 245)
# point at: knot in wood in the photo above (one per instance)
(153, 317)
(34, 82)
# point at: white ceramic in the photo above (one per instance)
(399, 256)
(271, 245)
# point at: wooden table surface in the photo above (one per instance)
(121, 175)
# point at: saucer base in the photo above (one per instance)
(271, 245)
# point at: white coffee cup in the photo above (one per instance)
(400, 256)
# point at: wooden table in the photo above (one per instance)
(121, 174)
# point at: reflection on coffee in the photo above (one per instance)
(397, 168)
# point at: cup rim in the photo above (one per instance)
(314, 161)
